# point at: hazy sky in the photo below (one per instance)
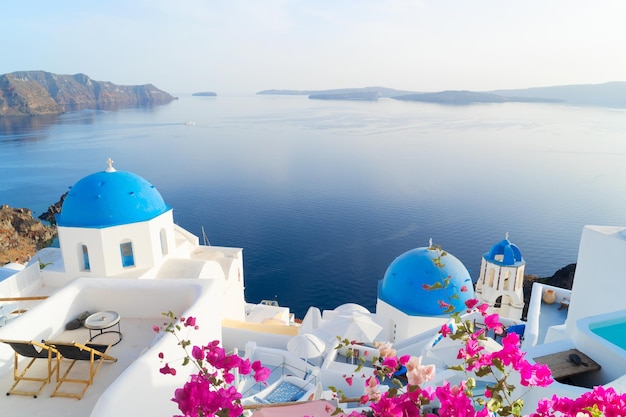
(244, 46)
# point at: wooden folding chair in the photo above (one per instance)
(73, 352)
(33, 350)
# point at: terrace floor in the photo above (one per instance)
(137, 336)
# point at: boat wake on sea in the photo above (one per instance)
(122, 261)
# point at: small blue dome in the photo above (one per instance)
(111, 198)
(403, 284)
(505, 253)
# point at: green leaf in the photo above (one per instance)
(494, 404)
(516, 407)
(483, 371)
(437, 285)
(505, 411)
(498, 364)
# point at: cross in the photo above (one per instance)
(506, 235)
(110, 166)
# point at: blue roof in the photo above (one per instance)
(505, 253)
(111, 198)
(403, 284)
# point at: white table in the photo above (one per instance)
(102, 322)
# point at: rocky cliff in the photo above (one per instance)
(21, 235)
(29, 93)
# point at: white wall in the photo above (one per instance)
(103, 245)
(600, 280)
(405, 326)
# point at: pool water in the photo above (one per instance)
(614, 331)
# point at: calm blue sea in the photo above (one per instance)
(323, 195)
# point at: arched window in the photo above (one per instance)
(498, 303)
(163, 237)
(128, 258)
(490, 277)
(85, 253)
(505, 285)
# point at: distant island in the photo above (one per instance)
(371, 93)
(357, 95)
(610, 94)
(205, 94)
(31, 93)
(470, 97)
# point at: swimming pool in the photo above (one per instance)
(613, 331)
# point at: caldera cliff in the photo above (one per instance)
(31, 93)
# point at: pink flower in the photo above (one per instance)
(453, 400)
(349, 380)
(464, 288)
(418, 374)
(190, 322)
(385, 350)
(483, 308)
(471, 303)
(371, 388)
(245, 367)
(156, 329)
(390, 363)
(492, 321)
(166, 370)
(161, 356)
(260, 372)
(445, 330)
(537, 375)
(197, 353)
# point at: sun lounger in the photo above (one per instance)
(73, 352)
(33, 350)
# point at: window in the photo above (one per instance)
(163, 237)
(490, 277)
(128, 259)
(85, 252)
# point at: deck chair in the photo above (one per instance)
(33, 350)
(73, 352)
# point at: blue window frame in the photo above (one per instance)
(128, 259)
(85, 251)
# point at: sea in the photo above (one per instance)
(323, 195)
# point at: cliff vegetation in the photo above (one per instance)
(21, 236)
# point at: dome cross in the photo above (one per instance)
(109, 166)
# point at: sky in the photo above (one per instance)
(245, 46)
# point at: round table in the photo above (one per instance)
(101, 323)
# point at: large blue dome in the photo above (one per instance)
(110, 198)
(505, 253)
(406, 279)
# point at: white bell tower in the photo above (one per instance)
(501, 280)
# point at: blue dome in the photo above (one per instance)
(403, 284)
(505, 253)
(110, 198)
